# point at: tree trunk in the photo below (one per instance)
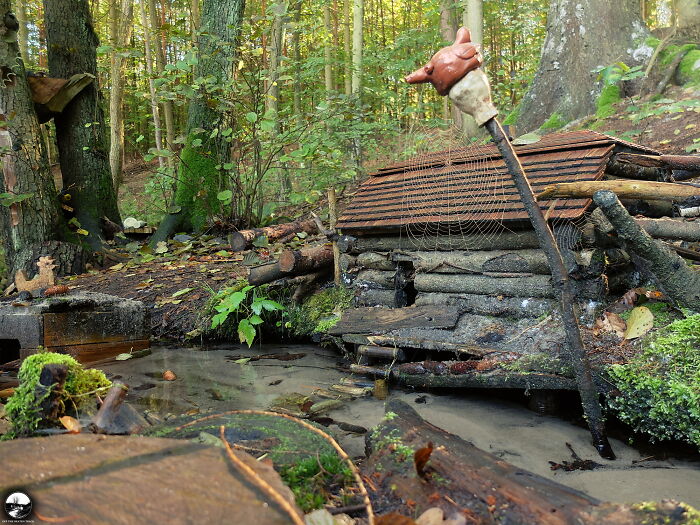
(25, 169)
(21, 9)
(625, 189)
(358, 13)
(121, 25)
(473, 18)
(160, 66)
(155, 109)
(565, 81)
(347, 47)
(265, 273)
(327, 50)
(80, 129)
(199, 180)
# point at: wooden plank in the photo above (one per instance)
(421, 343)
(383, 320)
(91, 353)
(79, 328)
(135, 479)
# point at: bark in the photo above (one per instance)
(110, 407)
(473, 18)
(526, 286)
(333, 220)
(679, 282)
(518, 307)
(489, 489)
(347, 47)
(390, 298)
(51, 381)
(501, 241)
(377, 279)
(155, 109)
(676, 162)
(327, 50)
(121, 25)
(523, 261)
(307, 259)
(390, 353)
(265, 273)
(375, 261)
(80, 129)
(25, 169)
(21, 11)
(347, 263)
(564, 83)
(625, 170)
(679, 229)
(242, 240)
(624, 189)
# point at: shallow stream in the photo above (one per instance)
(209, 380)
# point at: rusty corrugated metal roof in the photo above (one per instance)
(472, 184)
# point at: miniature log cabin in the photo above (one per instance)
(446, 245)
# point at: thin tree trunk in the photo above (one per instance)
(473, 18)
(160, 67)
(25, 169)
(80, 130)
(121, 26)
(327, 50)
(155, 109)
(296, 49)
(358, 9)
(21, 9)
(347, 47)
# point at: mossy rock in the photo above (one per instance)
(285, 441)
(555, 121)
(688, 72)
(320, 312)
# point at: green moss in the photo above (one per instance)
(512, 117)
(555, 121)
(23, 407)
(539, 362)
(311, 479)
(653, 513)
(610, 95)
(689, 68)
(320, 312)
(198, 185)
(659, 389)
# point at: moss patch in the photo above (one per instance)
(610, 95)
(320, 312)
(659, 389)
(23, 407)
(555, 121)
(313, 479)
(689, 68)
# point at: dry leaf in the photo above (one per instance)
(71, 424)
(394, 519)
(640, 322)
(169, 375)
(610, 322)
(421, 457)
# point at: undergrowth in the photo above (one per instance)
(313, 479)
(320, 312)
(23, 407)
(659, 389)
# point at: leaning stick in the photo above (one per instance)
(454, 70)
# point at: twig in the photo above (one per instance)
(324, 435)
(255, 477)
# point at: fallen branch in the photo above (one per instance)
(673, 276)
(625, 189)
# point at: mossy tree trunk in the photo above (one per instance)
(25, 169)
(565, 83)
(199, 176)
(80, 130)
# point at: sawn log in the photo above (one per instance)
(306, 260)
(480, 486)
(241, 240)
(624, 189)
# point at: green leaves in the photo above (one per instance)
(8, 199)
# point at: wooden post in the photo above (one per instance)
(333, 219)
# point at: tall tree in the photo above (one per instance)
(157, 48)
(358, 14)
(155, 109)
(80, 130)
(199, 176)
(327, 48)
(28, 205)
(121, 25)
(581, 36)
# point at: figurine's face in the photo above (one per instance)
(449, 65)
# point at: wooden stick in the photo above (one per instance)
(260, 482)
(564, 289)
(625, 189)
(333, 219)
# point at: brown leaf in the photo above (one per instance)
(394, 519)
(610, 322)
(71, 424)
(421, 457)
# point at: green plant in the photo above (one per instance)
(659, 389)
(23, 407)
(320, 312)
(247, 304)
(311, 478)
(612, 76)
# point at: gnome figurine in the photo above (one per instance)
(454, 70)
